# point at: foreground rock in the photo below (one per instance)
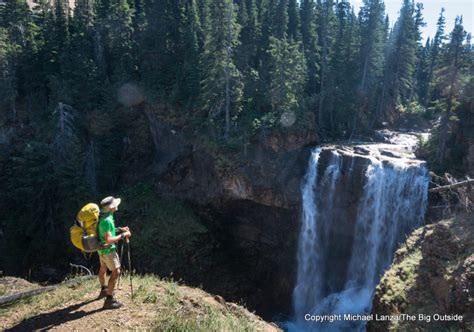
(432, 274)
(157, 304)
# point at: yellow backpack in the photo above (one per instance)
(84, 232)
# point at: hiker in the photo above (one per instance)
(108, 256)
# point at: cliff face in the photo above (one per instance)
(250, 199)
(432, 273)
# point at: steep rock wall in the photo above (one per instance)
(251, 200)
(432, 273)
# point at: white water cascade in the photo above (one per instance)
(337, 274)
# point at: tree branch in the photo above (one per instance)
(15, 297)
(452, 186)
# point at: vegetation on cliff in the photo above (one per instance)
(432, 273)
(178, 250)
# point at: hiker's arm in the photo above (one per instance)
(109, 239)
(120, 230)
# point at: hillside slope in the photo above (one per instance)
(157, 304)
(432, 274)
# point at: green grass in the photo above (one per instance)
(161, 305)
(212, 320)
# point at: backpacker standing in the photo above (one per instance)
(108, 256)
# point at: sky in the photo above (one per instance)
(431, 12)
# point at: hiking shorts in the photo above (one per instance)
(111, 261)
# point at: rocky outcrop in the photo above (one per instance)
(432, 274)
(251, 201)
(250, 198)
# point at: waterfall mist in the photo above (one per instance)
(337, 274)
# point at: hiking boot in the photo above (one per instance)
(103, 293)
(111, 303)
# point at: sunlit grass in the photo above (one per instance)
(158, 304)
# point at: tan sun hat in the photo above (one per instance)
(110, 202)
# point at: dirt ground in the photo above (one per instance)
(85, 313)
(155, 302)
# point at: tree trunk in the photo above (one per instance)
(452, 186)
(444, 125)
(15, 297)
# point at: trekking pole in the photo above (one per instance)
(121, 255)
(130, 267)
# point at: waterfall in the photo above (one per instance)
(307, 259)
(391, 203)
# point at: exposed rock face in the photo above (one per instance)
(433, 273)
(251, 200)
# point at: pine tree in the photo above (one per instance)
(326, 30)
(21, 35)
(372, 31)
(280, 19)
(203, 6)
(188, 74)
(420, 65)
(293, 20)
(435, 53)
(450, 79)
(249, 37)
(8, 88)
(288, 70)
(419, 22)
(56, 38)
(266, 13)
(159, 47)
(118, 32)
(423, 69)
(83, 75)
(401, 61)
(311, 48)
(247, 59)
(16, 17)
(342, 76)
(222, 81)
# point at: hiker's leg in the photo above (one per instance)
(113, 264)
(102, 273)
(112, 281)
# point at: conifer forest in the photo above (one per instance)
(123, 97)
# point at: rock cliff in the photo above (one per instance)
(250, 198)
(432, 274)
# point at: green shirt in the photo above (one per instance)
(106, 224)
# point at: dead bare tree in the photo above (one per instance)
(456, 195)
